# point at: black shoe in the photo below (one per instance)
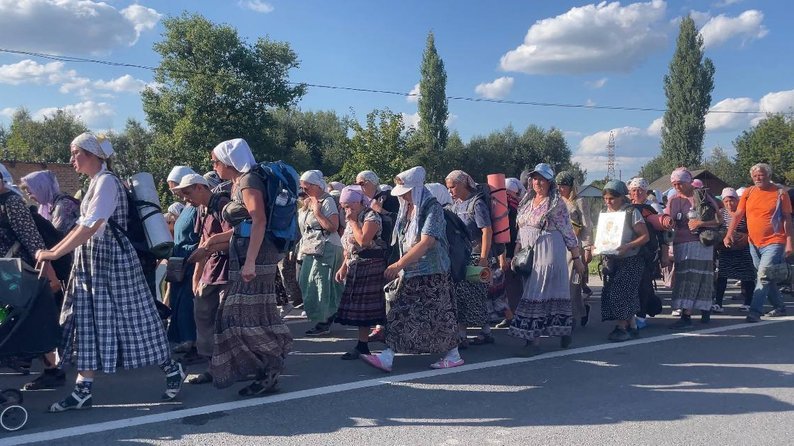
(192, 357)
(705, 317)
(565, 341)
(49, 379)
(619, 335)
(752, 318)
(319, 330)
(586, 318)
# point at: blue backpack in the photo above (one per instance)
(281, 181)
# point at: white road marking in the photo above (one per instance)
(356, 385)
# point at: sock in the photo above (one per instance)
(386, 357)
(83, 386)
(169, 366)
(486, 329)
(363, 347)
(453, 355)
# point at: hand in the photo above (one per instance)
(248, 272)
(587, 256)
(789, 248)
(43, 255)
(579, 267)
(349, 215)
(315, 204)
(622, 249)
(392, 271)
(341, 274)
(376, 206)
(483, 262)
(728, 240)
(694, 224)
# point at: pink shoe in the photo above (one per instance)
(374, 361)
(446, 364)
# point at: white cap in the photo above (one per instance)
(191, 179)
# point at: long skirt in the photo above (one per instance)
(620, 299)
(363, 302)
(470, 299)
(422, 317)
(545, 305)
(250, 337)
(182, 327)
(321, 293)
(693, 276)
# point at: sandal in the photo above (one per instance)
(72, 402)
(201, 378)
(482, 339)
(173, 382)
(257, 388)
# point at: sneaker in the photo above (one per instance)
(446, 364)
(752, 318)
(377, 335)
(676, 313)
(49, 379)
(681, 324)
(319, 330)
(717, 309)
(744, 308)
(777, 312)
(619, 335)
(504, 324)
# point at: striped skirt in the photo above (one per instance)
(693, 276)
(363, 303)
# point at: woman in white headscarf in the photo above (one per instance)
(109, 313)
(250, 336)
(321, 251)
(422, 314)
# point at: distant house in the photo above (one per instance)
(712, 182)
(68, 179)
(589, 191)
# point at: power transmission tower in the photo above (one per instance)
(611, 157)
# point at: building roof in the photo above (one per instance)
(712, 182)
(589, 191)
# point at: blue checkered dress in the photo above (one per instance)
(108, 314)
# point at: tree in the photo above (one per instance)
(46, 140)
(655, 168)
(433, 112)
(379, 146)
(688, 88)
(132, 148)
(724, 167)
(311, 140)
(772, 142)
(213, 86)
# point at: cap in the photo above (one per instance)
(191, 179)
(543, 170)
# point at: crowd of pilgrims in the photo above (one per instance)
(370, 255)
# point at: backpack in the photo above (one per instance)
(281, 182)
(50, 235)
(483, 193)
(458, 241)
(650, 251)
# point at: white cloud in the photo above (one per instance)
(95, 115)
(596, 84)
(729, 122)
(256, 6)
(655, 129)
(8, 112)
(71, 26)
(69, 82)
(123, 84)
(590, 103)
(497, 89)
(633, 148)
(595, 37)
(747, 26)
(724, 3)
(411, 121)
(31, 72)
(777, 102)
(413, 95)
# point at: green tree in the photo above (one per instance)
(45, 140)
(772, 142)
(688, 87)
(211, 86)
(311, 140)
(723, 166)
(132, 147)
(380, 146)
(655, 169)
(433, 112)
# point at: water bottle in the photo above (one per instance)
(692, 215)
(576, 280)
(5, 311)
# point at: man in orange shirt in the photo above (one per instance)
(768, 212)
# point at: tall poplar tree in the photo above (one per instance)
(433, 110)
(688, 88)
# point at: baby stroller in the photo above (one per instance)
(28, 328)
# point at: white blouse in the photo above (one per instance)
(100, 201)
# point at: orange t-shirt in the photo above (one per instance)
(759, 206)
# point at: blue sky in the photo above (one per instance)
(610, 53)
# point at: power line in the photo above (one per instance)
(74, 59)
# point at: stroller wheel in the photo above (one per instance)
(11, 396)
(13, 418)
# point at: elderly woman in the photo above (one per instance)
(363, 304)
(321, 250)
(512, 288)
(182, 329)
(62, 210)
(421, 318)
(109, 316)
(734, 262)
(620, 298)
(250, 337)
(693, 269)
(544, 224)
(471, 297)
(579, 213)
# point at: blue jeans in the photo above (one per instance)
(762, 258)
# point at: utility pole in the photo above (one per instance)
(611, 157)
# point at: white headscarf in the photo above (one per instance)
(99, 145)
(176, 208)
(315, 177)
(178, 172)
(413, 178)
(514, 185)
(440, 192)
(336, 186)
(235, 153)
(368, 176)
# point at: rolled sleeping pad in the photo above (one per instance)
(499, 221)
(478, 274)
(158, 237)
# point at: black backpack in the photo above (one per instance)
(458, 241)
(50, 235)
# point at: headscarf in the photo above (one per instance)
(729, 192)
(8, 180)
(336, 185)
(99, 145)
(638, 183)
(681, 175)
(176, 209)
(616, 186)
(440, 192)
(524, 179)
(369, 176)
(697, 184)
(315, 177)
(461, 177)
(178, 172)
(566, 178)
(235, 153)
(413, 178)
(353, 194)
(213, 179)
(44, 187)
(384, 188)
(514, 185)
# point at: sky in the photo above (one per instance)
(560, 52)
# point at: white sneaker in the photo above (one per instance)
(744, 308)
(676, 313)
(285, 310)
(717, 309)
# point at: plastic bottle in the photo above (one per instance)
(5, 311)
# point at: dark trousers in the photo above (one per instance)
(722, 283)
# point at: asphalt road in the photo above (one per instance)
(724, 383)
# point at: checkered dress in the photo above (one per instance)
(108, 314)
